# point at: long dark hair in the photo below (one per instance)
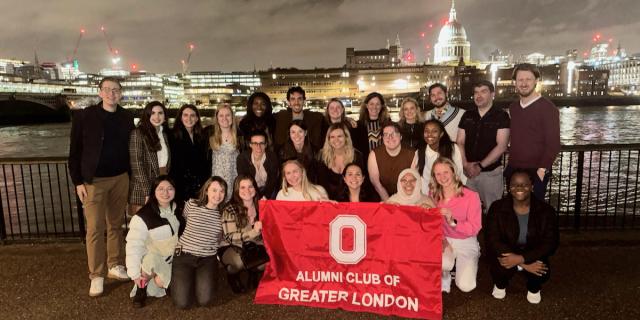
(153, 201)
(178, 127)
(384, 111)
(149, 133)
(445, 145)
(242, 216)
(289, 150)
(268, 112)
(365, 190)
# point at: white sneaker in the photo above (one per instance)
(118, 272)
(499, 293)
(446, 282)
(97, 285)
(534, 298)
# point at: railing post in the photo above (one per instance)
(578, 201)
(3, 231)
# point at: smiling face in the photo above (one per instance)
(391, 138)
(525, 83)
(374, 106)
(259, 106)
(258, 145)
(353, 177)
(337, 139)
(410, 111)
(335, 111)
(215, 194)
(520, 186)
(297, 135)
(246, 190)
(443, 174)
(189, 118)
(111, 93)
(408, 183)
(432, 135)
(293, 175)
(164, 193)
(157, 116)
(296, 102)
(438, 97)
(224, 118)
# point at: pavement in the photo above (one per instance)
(595, 275)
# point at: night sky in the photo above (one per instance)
(238, 35)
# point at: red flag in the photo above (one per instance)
(370, 257)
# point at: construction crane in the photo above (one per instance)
(115, 58)
(72, 60)
(185, 63)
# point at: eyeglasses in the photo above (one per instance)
(390, 135)
(408, 181)
(261, 144)
(111, 90)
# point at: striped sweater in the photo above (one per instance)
(203, 232)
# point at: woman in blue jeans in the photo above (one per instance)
(195, 265)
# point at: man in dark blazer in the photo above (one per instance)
(99, 168)
(313, 120)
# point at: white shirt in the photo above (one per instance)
(430, 158)
(163, 153)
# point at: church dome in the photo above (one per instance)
(453, 31)
(452, 42)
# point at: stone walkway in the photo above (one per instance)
(596, 275)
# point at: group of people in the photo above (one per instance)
(192, 191)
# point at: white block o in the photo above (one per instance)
(336, 228)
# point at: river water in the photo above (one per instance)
(39, 195)
(578, 126)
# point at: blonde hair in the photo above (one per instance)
(305, 184)
(328, 153)
(406, 100)
(437, 191)
(215, 140)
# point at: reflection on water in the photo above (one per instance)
(584, 125)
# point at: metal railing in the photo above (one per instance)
(596, 186)
(38, 201)
(592, 187)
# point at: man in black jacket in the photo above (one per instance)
(313, 120)
(99, 168)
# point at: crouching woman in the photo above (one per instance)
(151, 240)
(195, 264)
(241, 227)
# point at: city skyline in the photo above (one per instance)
(301, 34)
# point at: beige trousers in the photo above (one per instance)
(104, 209)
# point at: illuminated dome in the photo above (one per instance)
(452, 41)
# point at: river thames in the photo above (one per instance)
(578, 126)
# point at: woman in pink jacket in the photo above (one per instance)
(460, 207)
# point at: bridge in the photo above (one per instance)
(21, 108)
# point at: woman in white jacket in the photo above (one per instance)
(151, 240)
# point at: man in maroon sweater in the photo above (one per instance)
(535, 129)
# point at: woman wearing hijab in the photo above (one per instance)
(409, 190)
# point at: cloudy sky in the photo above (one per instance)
(238, 35)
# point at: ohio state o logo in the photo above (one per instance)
(336, 228)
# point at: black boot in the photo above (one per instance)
(139, 298)
(254, 278)
(235, 283)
